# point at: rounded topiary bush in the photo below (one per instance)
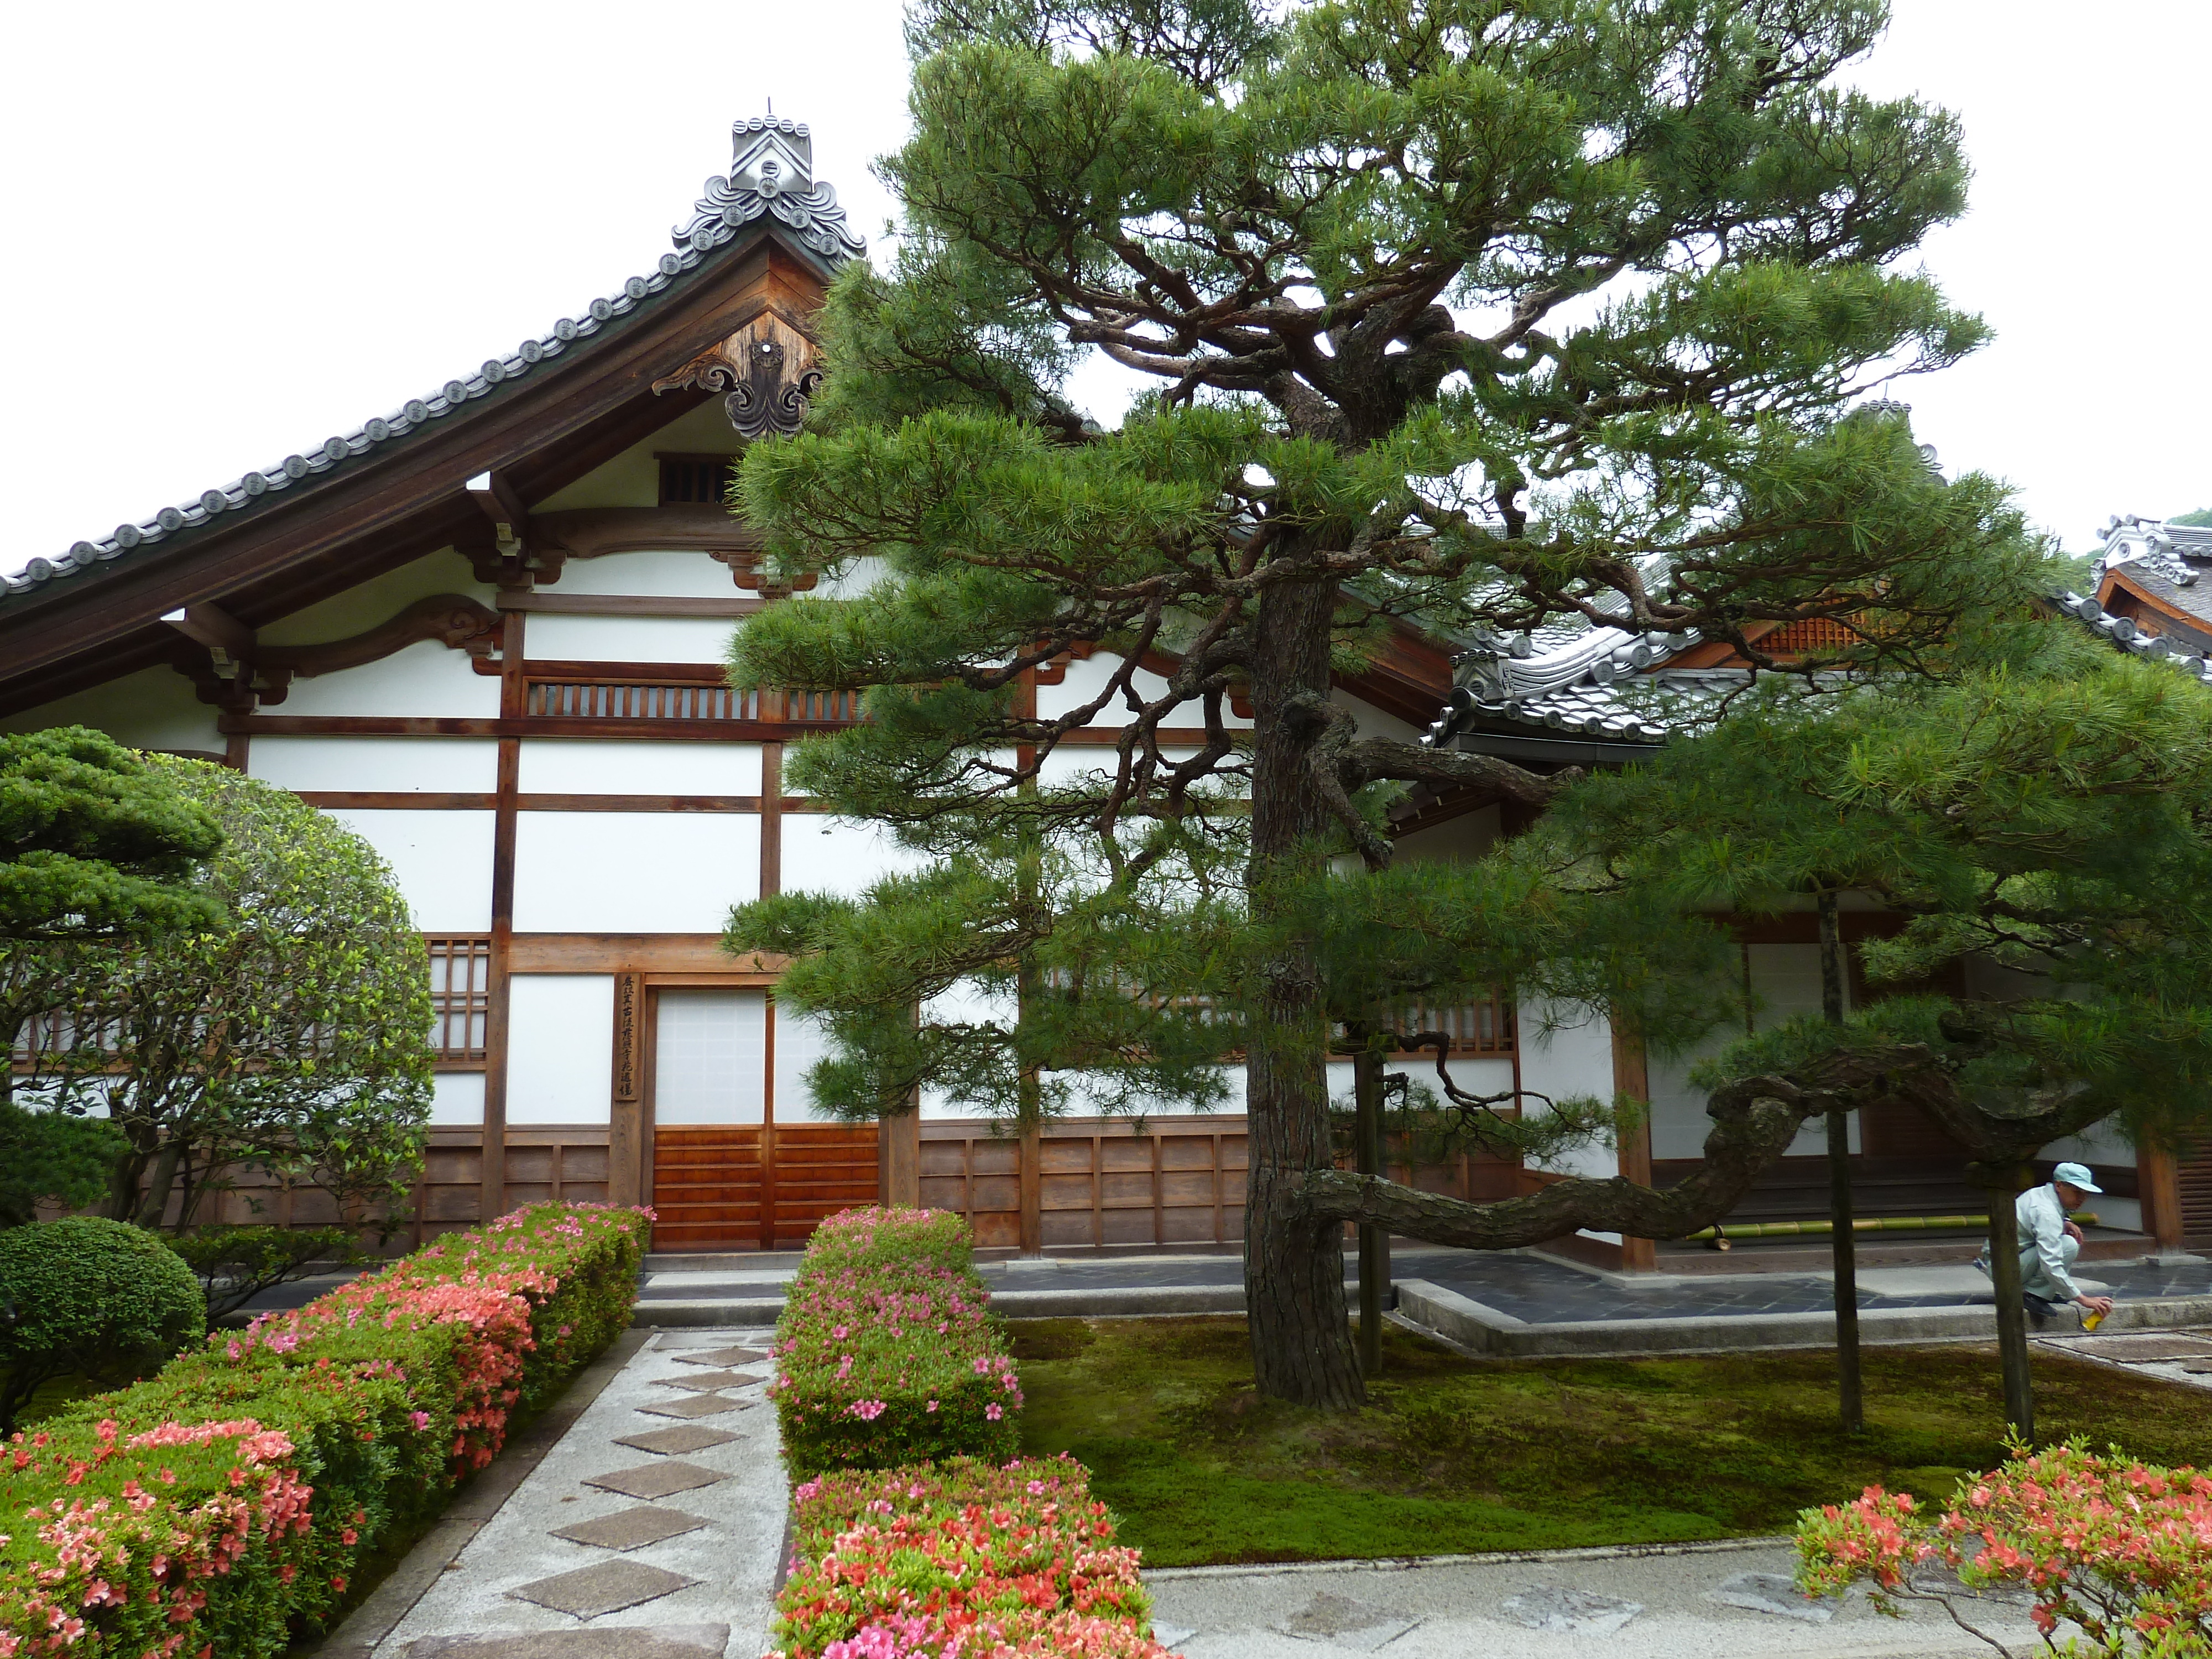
(87, 1297)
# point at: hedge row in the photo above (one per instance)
(223, 1507)
(887, 1353)
(964, 1559)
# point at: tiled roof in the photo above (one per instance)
(2123, 632)
(2166, 560)
(771, 177)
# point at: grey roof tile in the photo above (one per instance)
(771, 177)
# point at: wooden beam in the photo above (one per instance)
(402, 800)
(227, 640)
(652, 954)
(630, 604)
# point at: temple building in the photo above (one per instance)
(487, 630)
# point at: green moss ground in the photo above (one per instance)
(1456, 1455)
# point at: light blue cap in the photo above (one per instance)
(2076, 1175)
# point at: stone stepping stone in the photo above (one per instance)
(607, 1587)
(669, 1442)
(722, 1356)
(607, 1642)
(2146, 1348)
(632, 1529)
(698, 1405)
(1344, 1623)
(708, 1382)
(1774, 1593)
(655, 1479)
(1569, 1612)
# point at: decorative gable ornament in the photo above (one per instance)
(768, 369)
(772, 172)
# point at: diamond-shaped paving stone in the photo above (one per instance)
(722, 1356)
(1774, 1593)
(708, 1382)
(655, 1479)
(672, 1443)
(1343, 1622)
(699, 1405)
(1570, 1612)
(607, 1642)
(632, 1529)
(607, 1587)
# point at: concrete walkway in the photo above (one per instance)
(652, 1528)
(1709, 1601)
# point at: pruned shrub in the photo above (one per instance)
(83, 1297)
(226, 1506)
(985, 1561)
(234, 1265)
(887, 1353)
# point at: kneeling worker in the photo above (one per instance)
(2050, 1244)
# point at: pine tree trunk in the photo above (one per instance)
(1844, 1239)
(1301, 1330)
(2012, 1308)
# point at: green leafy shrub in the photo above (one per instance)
(236, 1264)
(52, 1154)
(87, 1297)
(887, 1353)
(228, 1502)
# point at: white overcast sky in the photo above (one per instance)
(234, 229)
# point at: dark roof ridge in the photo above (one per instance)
(764, 149)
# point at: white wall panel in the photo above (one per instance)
(1575, 1059)
(800, 1041)
(629, 639)
(633, 872)
(666, 575)
(442, 861)
(827, 854)
(582, 766)
(560, 1047)
(457, 1097)
(1087, 677)
(440, 765)
(153, 708)
(425, 678)
(710, 1057)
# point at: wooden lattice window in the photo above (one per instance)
(640, 700)
(460, 996)
(1483, 1027)
(696, 478)
(820, 707)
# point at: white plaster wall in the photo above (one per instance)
(442, 861)
(584, 766)
(1373, 722)
(800, 1041)
(633, 477)
(633, 872)
(377, 600)
(555, 638)
(667, 574)
(153, 708)
(457, 1097)
(823, 853)
(857, 578)
(560, 1047)
(439, 765)
(1575, 1059)
(426, 678)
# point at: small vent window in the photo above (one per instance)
(703, 478)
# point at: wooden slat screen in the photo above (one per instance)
(1476, 1028)
(2195, 1175)
(641, 700)
(460, 996)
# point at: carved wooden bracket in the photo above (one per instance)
(768, 368)
(745, 570)
(263, 673)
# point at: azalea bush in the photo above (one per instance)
(2116, 1547)
(966, 1559)
(887, 1353)
(224, 1507)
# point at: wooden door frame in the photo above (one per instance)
(650, 986)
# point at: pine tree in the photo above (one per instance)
(2042, 817)
(1484, 314)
